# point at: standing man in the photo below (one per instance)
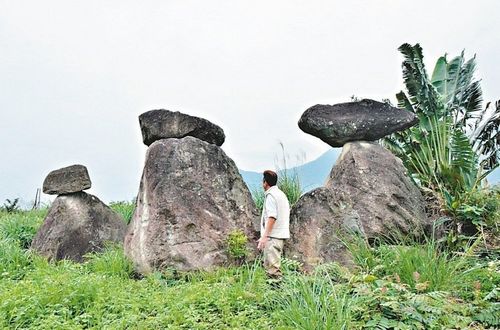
(274, 224)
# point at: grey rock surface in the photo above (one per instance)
(319, 221)
(75, 225)
(369, 193)
(366, 120)
(164, 124)
(67, 180)
(380, 190)
(190, 198)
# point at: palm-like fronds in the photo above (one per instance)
(456, 140)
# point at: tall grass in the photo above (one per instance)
(111, 262)
(103, 292)
(427, 266)
(124, 209)
(316, 303)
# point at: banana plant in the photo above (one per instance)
(456, 143)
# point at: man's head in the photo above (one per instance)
(270, 179)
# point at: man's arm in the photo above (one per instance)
(265, 236)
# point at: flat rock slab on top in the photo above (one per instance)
(164, 124)
(67, 180)
(366, 120)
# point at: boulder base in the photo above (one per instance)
(380, 190)
(354, 121)
(67, 180)
(319, 222)
(367, 192)
(77, 224)
(164, 124)
(190, 198)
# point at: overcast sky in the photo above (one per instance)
(75, 75)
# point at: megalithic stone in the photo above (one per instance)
(366, 120)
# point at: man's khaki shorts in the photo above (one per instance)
(272, 256)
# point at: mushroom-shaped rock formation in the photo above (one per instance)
(164, 124)
(191, 198)
(366, 120)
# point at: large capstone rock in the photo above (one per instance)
(380, 190)
(75, 225)
(366, 120)
(191, 197)
(164, 124)
(67, 180)
(320, 223)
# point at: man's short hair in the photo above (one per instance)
(270, 177)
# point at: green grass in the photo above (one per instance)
(382, 291)
(124, 209)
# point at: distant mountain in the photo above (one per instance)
(314, 173)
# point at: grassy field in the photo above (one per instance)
(398, 286)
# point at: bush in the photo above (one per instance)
(236, 244)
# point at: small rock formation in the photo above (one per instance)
(77, 224)
(366, 120)
(368, 190)
(191, 197)
(164, 124)
(67, 180)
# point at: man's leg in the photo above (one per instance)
(272, 257)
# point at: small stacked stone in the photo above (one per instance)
(67, 180)
(365, 120)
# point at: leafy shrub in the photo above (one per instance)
(481, 208)
(236, 244)
(454, 145)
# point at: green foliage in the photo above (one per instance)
(125, 209)
(288, 182)
(111, 262)
(427, 266)
(401, 285)
(21, 227)
(481, 208)
(11, 206)
(289, 266)
(236, 244)
(315, 303)
(259, 197)
(456, 143)
(14, 260)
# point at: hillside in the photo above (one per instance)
(314, 173)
